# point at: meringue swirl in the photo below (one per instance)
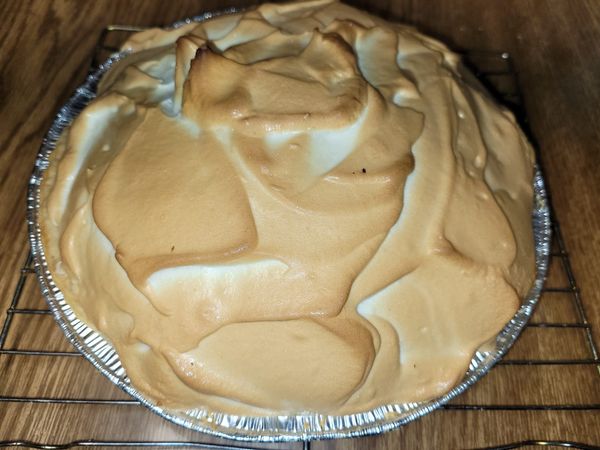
(298, 208)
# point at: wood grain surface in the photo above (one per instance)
(45, 52)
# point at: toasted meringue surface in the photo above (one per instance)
(297, 208)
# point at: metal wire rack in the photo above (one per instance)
(493, 69)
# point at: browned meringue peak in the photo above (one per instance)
(174, 189)
(89, 142)
(296, 208)
(145, 82)
(329, 358)
(275, 45)
(319, 88)
(185, 52)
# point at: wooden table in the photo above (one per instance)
(45, 50)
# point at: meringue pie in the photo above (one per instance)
(296, 208)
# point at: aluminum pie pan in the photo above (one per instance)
(104, 357)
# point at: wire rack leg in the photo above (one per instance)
(14, 301)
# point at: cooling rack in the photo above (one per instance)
(560, 317)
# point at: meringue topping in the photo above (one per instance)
(297, 208)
